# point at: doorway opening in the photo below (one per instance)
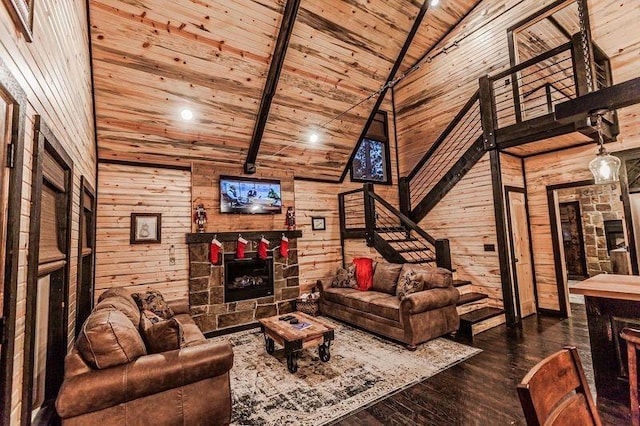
(573, 240)
(588, 233)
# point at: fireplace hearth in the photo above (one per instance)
(247, 278)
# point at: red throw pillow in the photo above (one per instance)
(364, 273)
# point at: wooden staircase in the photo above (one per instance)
(476, 315)
(506, 112)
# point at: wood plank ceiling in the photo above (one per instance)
(152, 58)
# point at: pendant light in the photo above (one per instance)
(605, 167)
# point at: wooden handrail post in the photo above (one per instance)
(487, 113)
(343, 219)
(580, 66)
(369, 213)
(404, 188)
(443, 254)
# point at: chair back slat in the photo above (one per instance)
(571, 412)
(555, 392)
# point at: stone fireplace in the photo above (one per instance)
(214, 308)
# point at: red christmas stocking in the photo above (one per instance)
(214, 251)
(284, 247)
(262, 248)
(241, 244)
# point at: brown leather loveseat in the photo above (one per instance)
(112, 379)
(412, 319)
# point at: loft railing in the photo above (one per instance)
(532, 88)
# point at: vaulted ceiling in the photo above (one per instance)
(153, 58)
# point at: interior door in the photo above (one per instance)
(48, 274)
(573, 240)
(521, 263)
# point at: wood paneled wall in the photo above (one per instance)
(512, 170)
(466, 217)
(54, 73)
(131, 189)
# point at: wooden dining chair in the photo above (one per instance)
(632, 336)
(555, 392)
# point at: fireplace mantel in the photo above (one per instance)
(206, 237)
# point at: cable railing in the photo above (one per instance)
(532, 89)
(412, 245)
(452, 144)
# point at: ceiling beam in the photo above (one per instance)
(617, 96)
(279, 53)
(559, 27)
(392, 74)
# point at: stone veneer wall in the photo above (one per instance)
(206, 287)
(597, 204)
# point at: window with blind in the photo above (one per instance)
(53, 218)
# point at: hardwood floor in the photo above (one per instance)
(482, 390)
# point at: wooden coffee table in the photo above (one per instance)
(294, 341)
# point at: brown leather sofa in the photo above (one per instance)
(190, 385)
(414, 319)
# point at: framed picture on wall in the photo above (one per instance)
(145, 228)
(318, 223)
(22, 13)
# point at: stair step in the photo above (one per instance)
(472, 322)
(470, 298)
(391, 230)
(402, 240)
(416, 261)
(460, 283)
(482, 314)
(414, 250)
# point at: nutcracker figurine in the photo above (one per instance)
(290, 220)
(200, 218)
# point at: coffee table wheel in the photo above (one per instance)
(270, 345)
(292, 363)
(324, 351)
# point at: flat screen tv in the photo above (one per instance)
(250, 196)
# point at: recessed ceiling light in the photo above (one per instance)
(313, 138)
(434, 2)
(186, 114)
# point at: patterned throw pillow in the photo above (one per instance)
(154, 302)
(410, 283)
(345, 278)
(161, 335)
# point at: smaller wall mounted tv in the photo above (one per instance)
(250, 196)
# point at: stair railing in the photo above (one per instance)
(397, 237)
(449, 150)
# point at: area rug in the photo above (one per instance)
(363, 370)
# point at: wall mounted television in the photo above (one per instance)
(250, 196)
